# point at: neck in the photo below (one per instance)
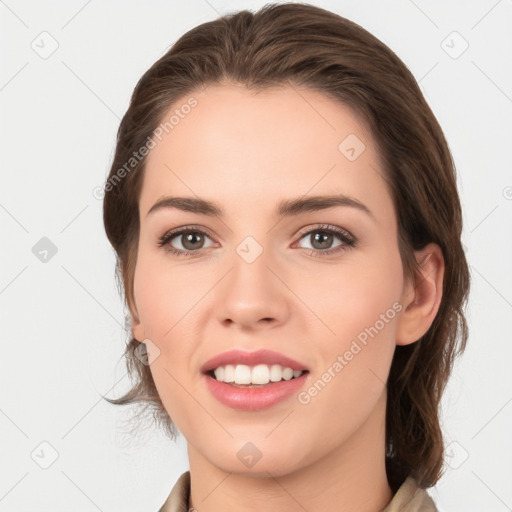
(352, 477)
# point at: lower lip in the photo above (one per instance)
(254, 399)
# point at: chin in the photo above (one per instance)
(256, 458)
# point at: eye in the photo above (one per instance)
(191, 240)
(323, 236)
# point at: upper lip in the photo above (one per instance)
(251, 359)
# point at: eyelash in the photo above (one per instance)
(349, 241)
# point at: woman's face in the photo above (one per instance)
(321, 286)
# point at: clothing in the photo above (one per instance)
(409, 498)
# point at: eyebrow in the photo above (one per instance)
(285, 208)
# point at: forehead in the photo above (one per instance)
(237, 146)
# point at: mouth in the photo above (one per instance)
(241, 375)
(252, 381)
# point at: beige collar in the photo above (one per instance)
(409, 498)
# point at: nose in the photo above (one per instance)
(253, 295)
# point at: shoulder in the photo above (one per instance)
(178, 500)
(410, 497)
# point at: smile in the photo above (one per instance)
(252, 381)
(261, 374)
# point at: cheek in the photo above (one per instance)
(169, 300)
(352, 298)
(165, 295)
(359, 305)
(165, 300)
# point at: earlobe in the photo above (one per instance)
(138, 331)
(421, 299)
(137, 326)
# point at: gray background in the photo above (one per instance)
(62, 321)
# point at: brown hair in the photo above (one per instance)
(302, 45)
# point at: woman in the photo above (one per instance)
(284, 210)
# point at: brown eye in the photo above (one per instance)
(321, 240)
(191, 240)
(184, 241)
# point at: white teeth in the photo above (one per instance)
(229, 373)
(287, 373)
(276, 373)
(219, 373)
(260, 374)
(242, 374)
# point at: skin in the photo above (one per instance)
(247, 152)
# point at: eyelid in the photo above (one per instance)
(187, 228)
(329, 228)
(176, 232)
(304, 231)
(348, 240)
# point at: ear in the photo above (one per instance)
(138, 331)
(137, 326)
(421, 296)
